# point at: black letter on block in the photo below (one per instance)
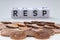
(25, 12)
(15, 13)
(44, 12)
(35, 13)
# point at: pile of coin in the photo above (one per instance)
(21, 30)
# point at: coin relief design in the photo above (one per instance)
(36, 29)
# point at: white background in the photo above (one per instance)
(7, 5)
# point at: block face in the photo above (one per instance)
(25, 13)
(45, 13)
(15, 13)
(35, 13)
(30, 13)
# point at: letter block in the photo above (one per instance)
(30, 13)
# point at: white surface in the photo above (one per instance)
(54, 37)
(7, 5)
(56, 20)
